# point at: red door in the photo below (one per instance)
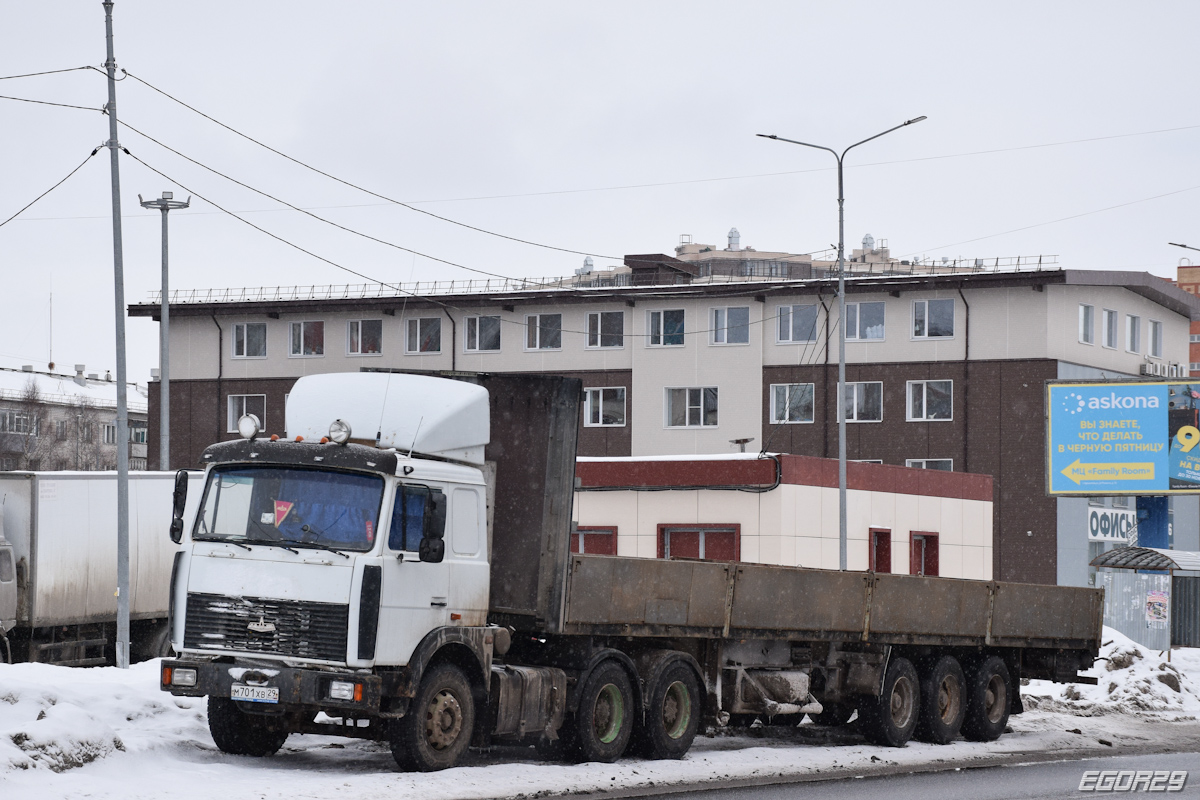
(924, 554)
(881, 550)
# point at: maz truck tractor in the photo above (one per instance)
(398, 568)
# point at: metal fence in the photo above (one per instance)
(1185, 611)
(1134, 605)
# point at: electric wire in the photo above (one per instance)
(46, 72)
(52, 188)
(48, 103)
(365, 190)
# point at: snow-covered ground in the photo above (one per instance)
(104, 733)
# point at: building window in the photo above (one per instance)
(867, 460)
(242, 404)
(110, 434)
(16, 422)
(930, 400)
(595, 540)
(923, 554)
(137, 433)
(730, 325)
(864, 321)
(791, 403)
(692, 407)
(1087, 323)
(863, 402)
(423, 335)
(604, 407)
(1193, 338)
(881, 550)
(666, 328)
(1155, 338)
(943, 464)
(482, 335)
(606, 329)
(250, 340)
(1194, 367)
(1133, 333)
(933, 319)
(543, 332)
(308, 339)
(1109, 331)
(707, 542)
(797, 323)
(364, 337)
(1120, 502)
(60, 429)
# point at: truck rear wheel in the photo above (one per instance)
(672, 715)
(604, 721)
(943, 701)
(988, 694)
(437, 729)
(243, 734)
(891, 718)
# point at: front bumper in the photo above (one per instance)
(297, 687)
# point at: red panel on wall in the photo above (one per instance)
(923, 553)
(881, 550)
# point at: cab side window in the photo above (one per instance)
(408, 518)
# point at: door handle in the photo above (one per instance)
(439, 602)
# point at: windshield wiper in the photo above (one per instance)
(268, 541)
(317, 545)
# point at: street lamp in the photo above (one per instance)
(841, 325)
(1184, 246)
(164, 204)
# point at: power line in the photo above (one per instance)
(364, 190)
(51, 189)
(48, 103)
(47, 72)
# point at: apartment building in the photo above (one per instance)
(946, 367)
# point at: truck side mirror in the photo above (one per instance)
(433, 546)
(432, 550)
(178, 503)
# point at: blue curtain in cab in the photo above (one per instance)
(408, 519)
(338, 508)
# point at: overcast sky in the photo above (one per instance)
(535, 119)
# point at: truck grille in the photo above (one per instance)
(258, 625)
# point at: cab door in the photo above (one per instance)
(414, 596)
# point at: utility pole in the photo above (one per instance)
(164, 204)
(122, 408)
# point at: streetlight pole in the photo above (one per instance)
(841, 386)
(164, 204)
(1184, 246)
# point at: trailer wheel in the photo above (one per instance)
(890, 718)
(604, 721)
(437, 729)
(943, 701)
(243, 734)
(988, 693)
(672, 715)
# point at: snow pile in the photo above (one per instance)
(1131, 680)
(57, 718)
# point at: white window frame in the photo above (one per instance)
(1155, 348)
(596, 334)
(657, 340)
(243, 326)
(302, 323)
(1108, 328)
(1133, 333)
(790, 388)
(412, 348)
(109, 433)
(350, 351)
(719, 327)
(923, 387)
(784, 318)
(854, 385)
(237, 403)
(1087, 324)
(858, 321)
(920, 463)
(924, 305)
(535, 328)
(28, 426)
(473, 322)
(689, 406)
(591, 393)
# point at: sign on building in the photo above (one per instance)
(1118, 438)
(1111, 525)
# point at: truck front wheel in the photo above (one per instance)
(891, 718)
(242, 734)
(988, 692)
(604, 721)
(672, 715)
(437, 729)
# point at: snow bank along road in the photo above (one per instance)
(108, 733)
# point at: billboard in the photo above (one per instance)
(1131, 437)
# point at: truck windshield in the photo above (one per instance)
(291, 507)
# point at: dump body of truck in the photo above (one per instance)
(62, 531)
(285, 609)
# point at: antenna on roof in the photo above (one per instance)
(416, 433)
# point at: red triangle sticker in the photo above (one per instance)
(282, 507)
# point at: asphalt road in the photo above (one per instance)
(1053, 779)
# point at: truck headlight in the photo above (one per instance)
(183, 677)
(345, 690)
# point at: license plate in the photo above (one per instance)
(255, 694)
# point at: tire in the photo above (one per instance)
(437, 729)
(672, 715)
(834, 715)
(605, 718)
(989, 695)
(890, 719)
(242, 734)
(943, 701)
